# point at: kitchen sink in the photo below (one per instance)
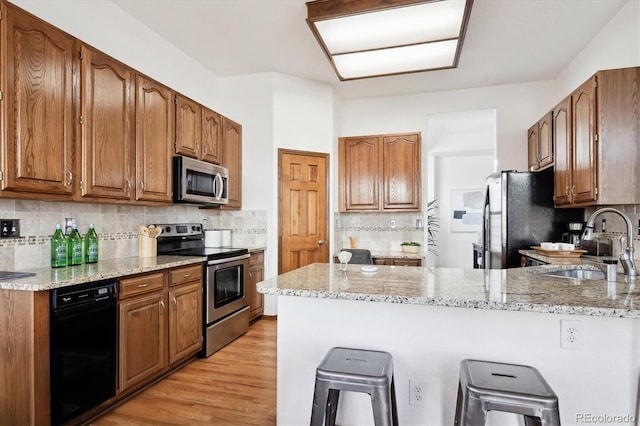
(582, 274)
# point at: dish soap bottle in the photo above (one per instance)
(74, 247)
(91, 246)
(58, 249)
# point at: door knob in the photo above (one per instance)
(321, 242)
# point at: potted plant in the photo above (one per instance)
(433, 224)
(410, 246)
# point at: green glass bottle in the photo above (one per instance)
(91, 245)
(58, 249)
(74, 248)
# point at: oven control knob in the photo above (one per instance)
(167, 229)
(197, 228)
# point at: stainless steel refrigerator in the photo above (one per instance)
(518, 213)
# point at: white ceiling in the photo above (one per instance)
(507, 41)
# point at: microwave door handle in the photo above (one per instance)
(220, 186)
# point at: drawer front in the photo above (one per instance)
(407, 262)
(141, 284)
(256, 258)
(186, 274)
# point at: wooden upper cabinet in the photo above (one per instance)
(401, 172)
(232, 160)
(188, 127)
(211, 136)
(380, 173)
(107, 117)
(154, 137)
(532, 145)
(37, 82)
(603, 166)
(563, 169)
(360, 171)
(584, 176)
(540, 143)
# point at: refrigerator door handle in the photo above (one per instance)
(485, 231)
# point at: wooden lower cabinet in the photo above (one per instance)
(396, 261)
(185, 313)
(143, 337)
(160, 323)
(256, 274)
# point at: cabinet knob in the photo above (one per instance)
(321, 242)
(143, 285)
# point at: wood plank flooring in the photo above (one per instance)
(235, 386)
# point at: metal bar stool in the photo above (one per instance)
(354, 370)
(512, 388)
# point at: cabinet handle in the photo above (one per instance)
(69, 178)
(321, 242)
(250, 274)
(175, 302)
(128, 185)
(143, 285)
(573, 190)
(187, 275)
(566, 191)
(162, 304)
(142, 186)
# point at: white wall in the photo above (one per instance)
(617, 45)
(457, 172)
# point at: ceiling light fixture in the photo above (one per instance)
(373, 38)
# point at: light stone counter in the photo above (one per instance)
(419, 316)
(50, 278)
(518, 289)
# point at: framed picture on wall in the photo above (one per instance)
(466, 210)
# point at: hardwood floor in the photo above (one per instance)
(234, 386)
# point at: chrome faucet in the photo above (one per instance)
(626, 253)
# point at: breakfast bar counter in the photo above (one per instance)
(430, 319)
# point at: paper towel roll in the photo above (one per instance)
(226, 238)
(212, 238)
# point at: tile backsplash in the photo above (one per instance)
(116, 226)
(374, 231)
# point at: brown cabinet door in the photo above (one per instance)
(360, 172)
(585, 160)
(211, 136)
(143, 339)
(256, 274)
(188, 127)
(562, 140)
(232, 160)
(107, 132)
(37, 69)
(545, 141)
(401, 179)
(154, 136)
(407, 262)
(185, 321)
(532, 143)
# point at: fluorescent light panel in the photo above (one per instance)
(402, 39)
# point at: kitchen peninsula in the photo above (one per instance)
(430, 319)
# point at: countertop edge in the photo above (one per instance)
(45, 278)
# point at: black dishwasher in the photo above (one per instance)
(83, 348)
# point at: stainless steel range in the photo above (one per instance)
(226, 310)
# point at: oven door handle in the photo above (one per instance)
(228, 259)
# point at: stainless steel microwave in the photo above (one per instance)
(199, 182)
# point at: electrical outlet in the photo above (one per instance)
(417, 392)
(393, 223)
(571, 334)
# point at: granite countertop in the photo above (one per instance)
(50, 278)
(517, 289)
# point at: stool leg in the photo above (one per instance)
(381, 402)
(320, 395)
(394, 405)
(550, 418)
(472, 412)
(332, 407)
(457, 420)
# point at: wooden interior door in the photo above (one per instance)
(303, 209)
